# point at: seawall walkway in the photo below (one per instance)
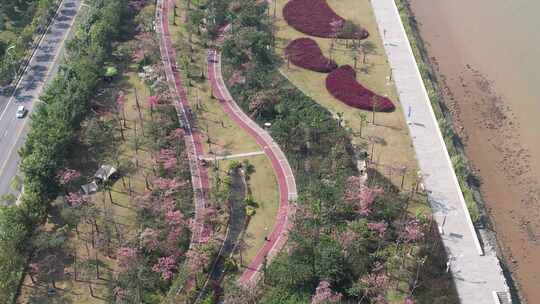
(476, 270)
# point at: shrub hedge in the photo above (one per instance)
(305, 53)
(342, 84)
(316, 18)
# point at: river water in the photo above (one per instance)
(487, 53)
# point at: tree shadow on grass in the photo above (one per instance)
(435, 284)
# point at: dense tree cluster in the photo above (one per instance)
(54, 123)
(351, 241)
(20, 21)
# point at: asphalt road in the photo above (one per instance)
(42, 66)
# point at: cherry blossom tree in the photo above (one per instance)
(76, 199)
(347, 238)
(145, 200)
(126, 256)
(325, 295)
(153, 101)
(412, 231)
(169, 185)
(172, 240)
(165, 266)
(176, 134)
(167, 158)
(174, 218)
(361, 195)
(66, 176)
(379, 227)
(374, 283)
(196, 260)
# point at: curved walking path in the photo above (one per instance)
(199, 173)
(475, 269)
(284, 174)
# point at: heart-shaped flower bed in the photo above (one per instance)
(305, 53)
(316, 18)
(342, 84)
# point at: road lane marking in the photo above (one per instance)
(40, 86)
(32, 57)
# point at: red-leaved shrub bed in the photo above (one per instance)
(342, 84)
(316, 18)
(305, 53)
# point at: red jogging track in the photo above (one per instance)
(199, 173)
(285, 177)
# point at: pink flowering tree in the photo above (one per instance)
(76, 199)
(169, 186)
(196, 260)
(167, 158)
(145, 200)
(360, 194)
(174, 218)
(177, 133)
(379, 227)
(374, 283)
(347, 238)
(171, 242)
(66, 176)
(165, 267)
(153, 101)
(412, 231)
(126, 257)
(176, 136)
(325, 295)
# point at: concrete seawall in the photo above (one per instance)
(476, 270)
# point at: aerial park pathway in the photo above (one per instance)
(475, 269)
(284, 174)
(199, 173)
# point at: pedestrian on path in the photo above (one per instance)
(409, 115)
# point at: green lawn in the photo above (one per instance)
(264, 190)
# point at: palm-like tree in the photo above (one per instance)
(366, 47)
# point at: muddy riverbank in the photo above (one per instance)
(488, 74)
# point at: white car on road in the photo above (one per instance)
(21, 112)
